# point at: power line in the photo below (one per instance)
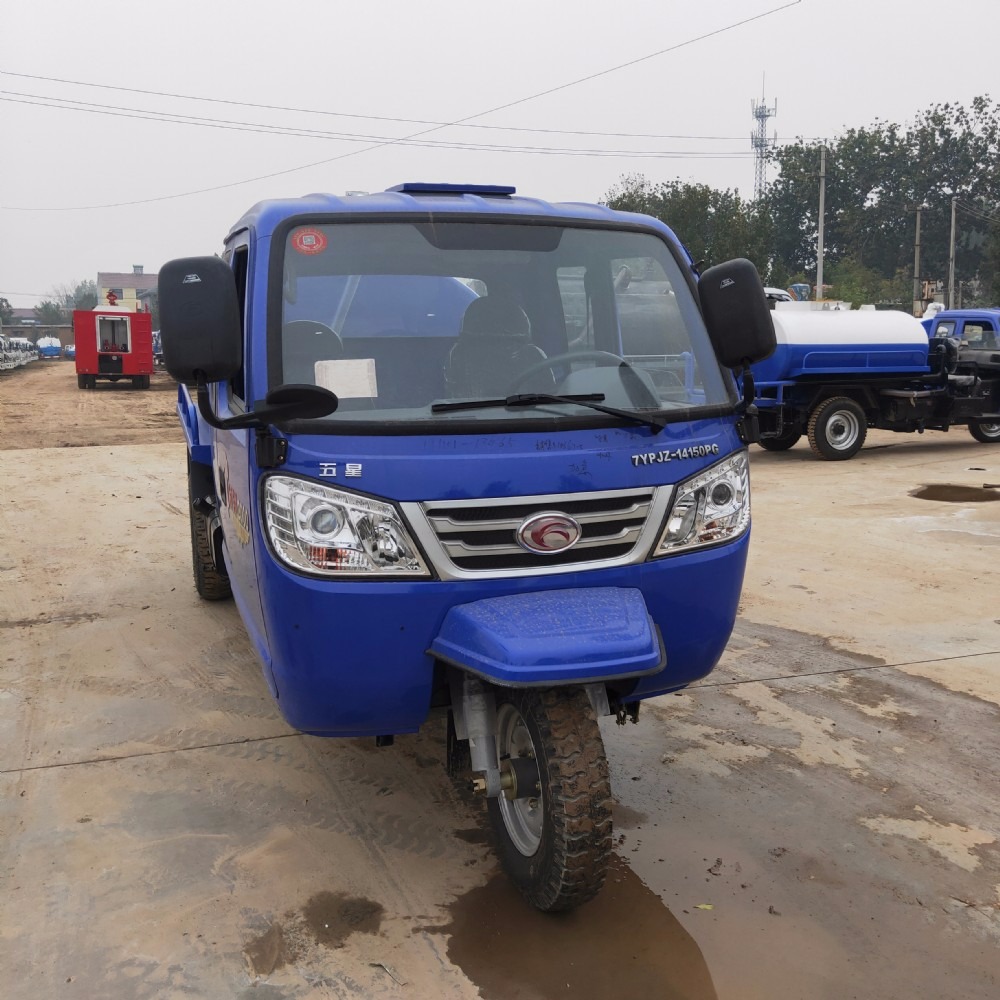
(347, 114)
(140, 114)
(977, 212)
(417, 135)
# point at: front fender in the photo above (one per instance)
(552, 637)
(196, 432)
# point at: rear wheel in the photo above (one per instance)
(781, 442)
(837, 429)
(985, 433)
(208, 581)
(81, 382)
(554, 844)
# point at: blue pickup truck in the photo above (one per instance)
(978, 329)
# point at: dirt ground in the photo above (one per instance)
(818, 818)
(41, 407)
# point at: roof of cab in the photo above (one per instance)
(970, 314)
(421, 198)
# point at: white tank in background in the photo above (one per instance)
(843, 342)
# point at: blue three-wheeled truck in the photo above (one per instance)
(453, 449)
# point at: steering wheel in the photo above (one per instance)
(557, 359)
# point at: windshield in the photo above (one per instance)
(397, 317)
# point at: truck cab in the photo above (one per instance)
(975, 331)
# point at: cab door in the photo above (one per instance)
(234, 470)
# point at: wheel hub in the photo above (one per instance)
(843, 430)
(522, 816)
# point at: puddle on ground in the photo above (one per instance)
(951, 493)
(329, 919)
(626, 818)
(269, 951)
(333, 917)
(624, 943)
(473, 836)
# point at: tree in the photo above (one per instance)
(714, 225)
(6, 313)
(851, 281)
(50, 313)
(82, 295)
(876, 178)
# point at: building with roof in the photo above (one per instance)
(130, 290)
(24, 323)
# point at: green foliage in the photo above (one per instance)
(50, 313)
(851, 281)
(713, 225)
(876, 178)
(6, 313)
(992, 268)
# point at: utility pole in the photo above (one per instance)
(822, 213)
(917, 297)
(951, 257)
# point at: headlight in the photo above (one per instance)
(330, 532)
(709, 508)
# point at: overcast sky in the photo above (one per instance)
(389, 69)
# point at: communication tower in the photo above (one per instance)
(760, 144)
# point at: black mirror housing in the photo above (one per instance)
(200, 319)
(736, 313)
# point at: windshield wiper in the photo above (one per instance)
(589, 399)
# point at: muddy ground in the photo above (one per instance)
(818, 818)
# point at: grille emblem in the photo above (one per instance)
(548, 532)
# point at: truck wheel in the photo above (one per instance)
(208, 581)
(837, 429)
(81, 382)
(985, 433)
(554, 846)
(781, 442)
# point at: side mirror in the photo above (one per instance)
(736, 313)
(287, 402)
(200, 319)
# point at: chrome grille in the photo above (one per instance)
(478, 536)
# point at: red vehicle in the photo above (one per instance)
(113, 344)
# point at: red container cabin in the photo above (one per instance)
(113, 344)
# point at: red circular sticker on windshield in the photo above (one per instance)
(309, 241)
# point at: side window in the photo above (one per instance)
(980, 336)
(239, 263)
(576, 307)
(648, 317)
(946, 328)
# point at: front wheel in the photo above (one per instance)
(208, 581)
(554, 844)
(837, 429)
(985, 433)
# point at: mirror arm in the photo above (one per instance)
(219, 423)
(748, 425)
(271, 451)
